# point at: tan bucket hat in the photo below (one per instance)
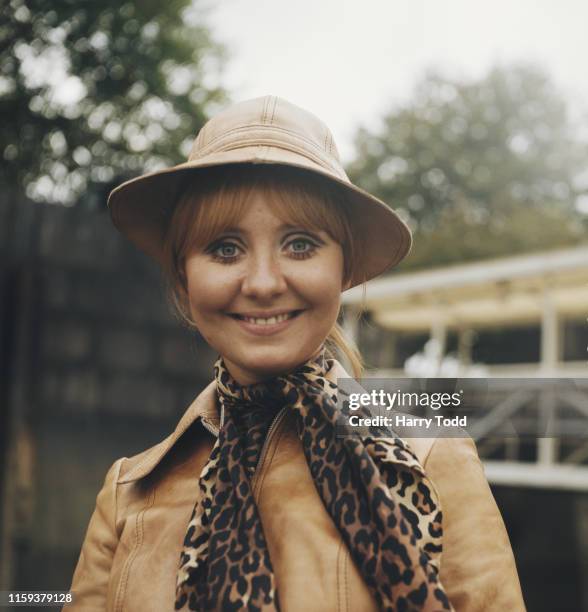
(266, 130)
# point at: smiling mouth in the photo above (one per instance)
(273, 320)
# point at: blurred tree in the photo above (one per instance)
(94, 91)
(479, 169)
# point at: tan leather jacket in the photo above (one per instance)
(130, 555)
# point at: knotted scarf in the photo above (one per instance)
(373, 487)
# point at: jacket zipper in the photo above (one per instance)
(268, 438)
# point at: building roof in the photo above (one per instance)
(497, 292)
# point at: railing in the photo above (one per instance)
(530, 424)
(565, 369)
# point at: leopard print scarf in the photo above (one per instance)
(382, 502)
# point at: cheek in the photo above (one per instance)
(208, 288)
(322, 283)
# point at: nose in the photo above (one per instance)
(264, 278)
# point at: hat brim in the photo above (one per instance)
(140, 208)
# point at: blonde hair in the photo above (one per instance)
(212, 202)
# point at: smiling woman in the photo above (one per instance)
(256, 244)
(264, 497)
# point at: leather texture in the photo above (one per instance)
(130, 555)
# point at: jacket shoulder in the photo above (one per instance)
(454, 441)
(91, 575)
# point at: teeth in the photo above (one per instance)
(269, 320)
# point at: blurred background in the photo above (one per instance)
(469, 118)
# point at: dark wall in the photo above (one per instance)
(548, 532)
(93, 367)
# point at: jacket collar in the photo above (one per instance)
(204, 407)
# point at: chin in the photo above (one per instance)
(273, 366)
(273, 362)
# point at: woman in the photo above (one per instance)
(263, 498)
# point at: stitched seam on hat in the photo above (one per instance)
(274, 110)
(264, 110)
(301, 151)
(202, 152)
(231, 145)
(267, 108)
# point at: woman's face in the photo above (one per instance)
(265, 294)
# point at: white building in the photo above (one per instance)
(539, 298)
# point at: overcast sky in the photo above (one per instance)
(350, 60)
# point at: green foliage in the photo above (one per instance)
(91, 91)
(460, 238)
(478, 169)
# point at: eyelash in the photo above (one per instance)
(232, 258)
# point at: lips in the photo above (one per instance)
(266, 325)
(267, 320)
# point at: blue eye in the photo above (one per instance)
(227, 250)
(224, 252)
(302, 248)
(299, 245)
